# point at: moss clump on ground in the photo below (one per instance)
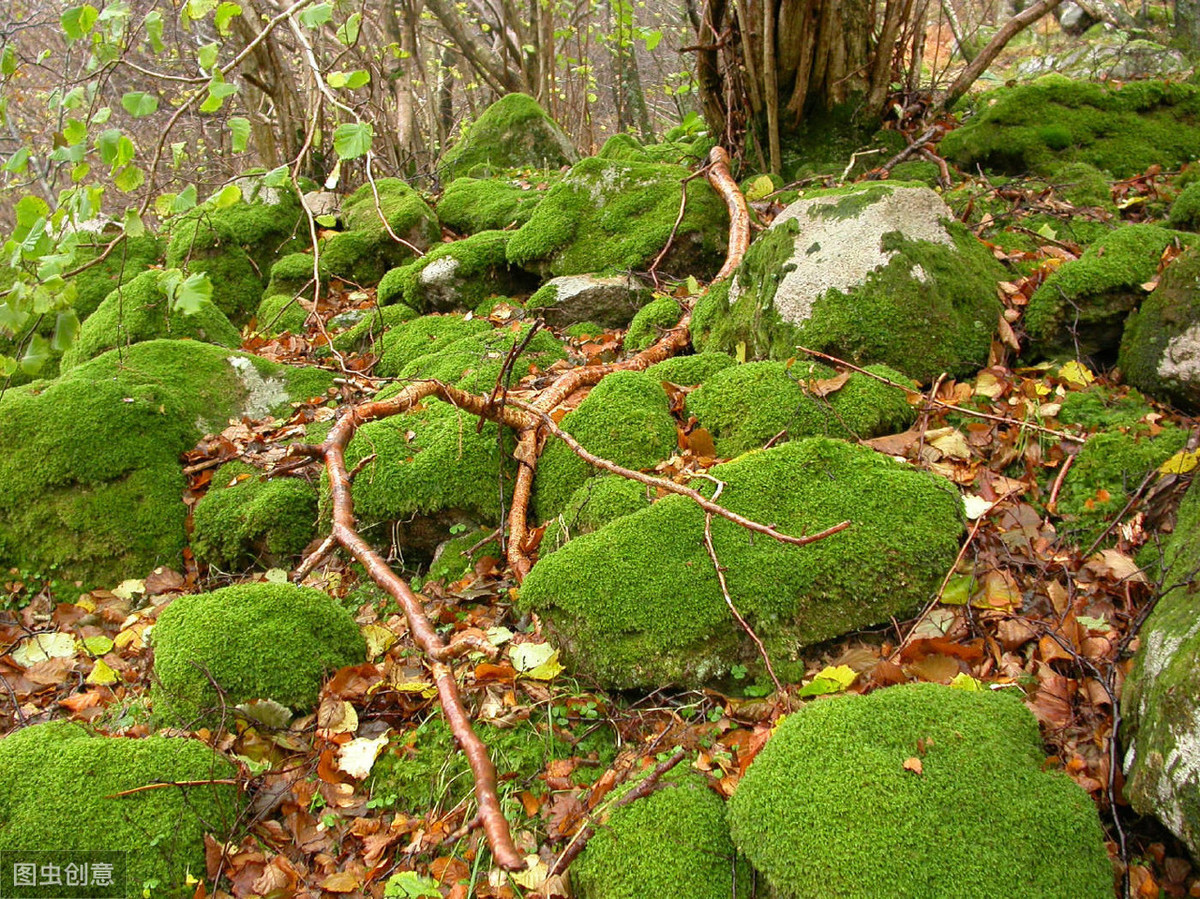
(128, 260)
(278, 313)
(744, 406)
(677, 148)
(828, 807)
(353, 256)
(637, 603)
(1185, 211)
(422, 336)
(293, 274)
(1097, 407)
(254, 641)
(617, 216)
(140, 311)
(456, 557)
(596, 503)
(1123, 131)
(245, 519)
(626, 419)
(59, 789)
(1081, 308)
(474, 363)
(1082, 184)
(512, 133)
(367, 336)
(90, 481)
(458, 275)
(1160, 348)
(471, 205)
(689, 370)
(650, 322)
(674, 842)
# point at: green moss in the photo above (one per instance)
(625, 419)
(1170, 314)
(744, 406)
(90, 480)
(674, 842)
(1083, 185)
(406, 213)
(512, 133)
(130, 258)
(917, 171)
(583, 330)
(609, 215)
(837, 769)
(368, 335)
(455, 559)
(1101, 408)
(1123, 131)
(140, 311)
(353, 256)
(597, 502)
(245, 520)
(454, 275)
(475, 363)
(293, 274)
(650, 322)
(59, 787)
(637, 603)
(422, 336)
(688, 370)
(471, 205)
(254, 641)
(1185, 211)
(1081, 308)
(680, 149)
(278, 313)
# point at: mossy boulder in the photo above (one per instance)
(744, 406)
(607, 215)
(876, 274)
(456, 557)
(367, 335)
(59, 789)
(1160, 347)
(293, 275)
(140, 311)
(594, 504)
(1120, 130)
(252, 642)
(651, 322)
(674, 842)
(456, 276)
(90, 480)
(128, 260)
(422, 336)
(354, 257)
(471, 205)
(475, 363)
(1159, 701)
(637, 602)
(625, 419)
(246, 519)
(610, 301)
(678, 147)
(280, 312)
(830, 806)
(1082, 184)
(407, 215)
(512, 133)
(690, 370)
(1080, 309)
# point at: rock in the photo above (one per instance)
(253, 642)
(1160, 702)
(366, 249)
(123, 264)
(279, 313)
(1074, 19)
(456, 276)
(1160, 349)
(60, 787)
(512, 133)
(369, 333)
(832, 806)
(471, 205)
(636, 604)
(875, 274)
(293, 274)
(607, 215)
(323, 202)
(609, 301)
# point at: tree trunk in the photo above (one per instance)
(1187, 26)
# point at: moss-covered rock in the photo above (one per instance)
(293, 274)
(512, 133)
(674, 842)
(597, 502)
(611, 301)
(456, 557)
(140, 311)
(475, 363)
(90, 480)
(1120, 130)
(830, 807)
(421, 337)
(471, 205)
(245, 519)
(457, 275)
(128, 260)
(678, 147)
(369, 333)
(876, 274)
(253, 641)
(1160, 347)
(690, 370)
(637, 603)
(278, 313)
(1081, 307)
(1082, 184)
(407, 215)
(744, 406)
(1185, 211)
(607, 215)
(59, 789)
(1159, 700)
(353, 256)
(626, 419)
(651, 322)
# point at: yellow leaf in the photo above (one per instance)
(98, 645)
(741, 351)
(379, 640)
(1076, 374)
(41, 647)
(534, 875)
(987, 384)
(102, 675)
(1180, 463)
(914, 765)
(358, 756)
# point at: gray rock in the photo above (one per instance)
(608, 301)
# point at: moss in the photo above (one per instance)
(583, 330)
(637, 603)
(471, 205)
(475, 363)
(674, 842)
(422, 336)
(837, 769)
(688, 370)
(140, 311)
(1157, 352)
(597, 502)
(245, 520)
(455, 559)
(650, 322)
(133, 256)
(679, 149)
(917, 171)
(254, 641)
(90, 481)
(744, 406)
(390, 289)
(1123, 131)
(454, 275)
(1100, 408)
(368, 336)
(236, 281)
(608, 215)
(353, 256)
(278, 313)
(59, 789)
(1081, 307)
(1083, 185)
(625, 419)
(406, 213)
(293, 274)
(512, 133)
(1185, 211)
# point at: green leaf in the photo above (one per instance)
(79, 172)
(66, 326)
(179, 154)
(129, 178)
(411, 885)
(198, 9)
(29, 209)
(74, 131)
(830, 680)
(316, 16)
(326, 221)
(192, 292)
(229, 195)
(8, 60)
(352, 139)
(358, 78)
(277, 177)
(218, 90)
(74, 99)
(347, 32)
(336, 79)
(139, 104)
(133, 224)
(107, 143)
(964, 681)
(652, 40)
(18, 162)
(78, 20)
(226, 12)
(154, 30)
(36, 355)
(240, 129)
(206, 56)
(760, 187)
(958, 590)
(185, 200)
(101, 115)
